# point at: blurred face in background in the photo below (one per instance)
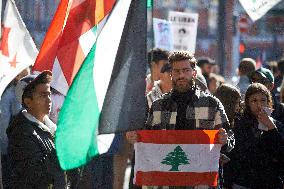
(156, 68)
(207, 69)
(212, 85)
(165, 82)
(166, 77)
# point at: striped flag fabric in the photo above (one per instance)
(70, 37)
(102, 76)
(18, 50)
(176, 158)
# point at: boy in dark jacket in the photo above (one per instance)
(31, 148)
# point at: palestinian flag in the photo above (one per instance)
(177, 158)
(106, 95)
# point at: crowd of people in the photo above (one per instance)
(182, 93)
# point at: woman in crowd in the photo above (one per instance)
(257, 159)
(230, 97)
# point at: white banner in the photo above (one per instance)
(184, 27)
(163, 34)
(257, 8)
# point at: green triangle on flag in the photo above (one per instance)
(75, 135)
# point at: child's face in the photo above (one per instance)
(257, 102)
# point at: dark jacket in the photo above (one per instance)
(192, 110)
(257, 158)
(32, 154)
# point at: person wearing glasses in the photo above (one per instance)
(186, 107)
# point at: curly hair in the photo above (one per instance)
(257, 88)
(182, 55)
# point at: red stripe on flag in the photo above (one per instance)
(156, 178)
(47, 53)
(178, 136)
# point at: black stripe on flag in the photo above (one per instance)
(124, 104)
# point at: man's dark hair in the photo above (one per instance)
(157, 54)
(205, 60)
(44, 78)
(272, 66)
(280, 65)
(182, 55)
(247, 66)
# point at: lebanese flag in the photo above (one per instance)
(18, 50)
(177, 158)
(70, 37)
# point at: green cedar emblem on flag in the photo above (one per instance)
(176, 158)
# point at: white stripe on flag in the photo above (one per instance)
(202, 157)
(107, 49)
(88, 39)
(104, 142)
(58, 79)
